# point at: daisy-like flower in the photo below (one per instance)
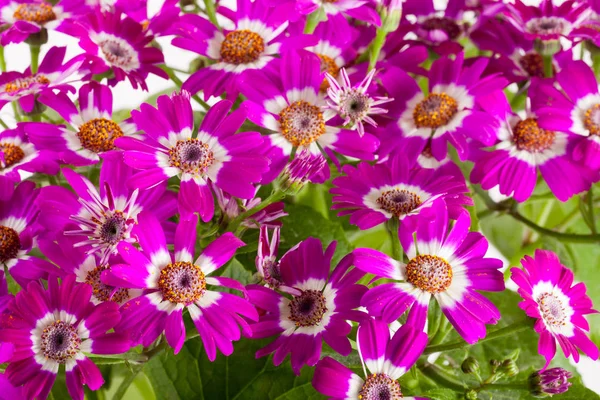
(22, 18)
(267, 264)
(451, 112)
(317, 308)
(174, 282)
(577, 112)
(17, 232)
(352, 103)
(53, 74)
(232, 207)
(19, 158)
(93, 129)
(448, 266)
(558, 306)
(362, 10)
(289, 104)
(121, 45)
(56, 326)
(373, 194)
(523, 149)
(232, 162)
(386, 360)
(101, 219)
(548, 23)
(253, 43)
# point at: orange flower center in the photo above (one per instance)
(99, 134)
(39, 13)
(430, 273)
(301, 123)
(436, 110)
(242, 47)
(528, 136)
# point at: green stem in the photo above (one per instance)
(16, 111)
(376, 47)
(548, 67)
(35, 57)
(3, 124)
(179, 83)
(211, 12)
(135, 370)
(590, 204)
(506, 331)
(235, 223)
(2, 59)
(439, 376)
(312, 21)
(392, 228)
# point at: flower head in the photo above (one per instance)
(232, 161)
(316, 306)
(386, 359)
(174, 282)
(558, 306)
(56, 326)
(549, 382)
(305, 167)
(267, 264)
(353, 104)
(446, 265)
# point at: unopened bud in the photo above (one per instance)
(303, 168)
(470, 366)
(471, 395)
(549, 382)
(509, 368)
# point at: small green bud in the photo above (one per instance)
(470, 366)
(509, 368)
(471, 395)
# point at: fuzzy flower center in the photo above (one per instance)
(553, 310)
(271, 271)
(60, 342)
(436, 110)
(9, 243)
(398, 202)
(40, 13)
(99, 134)
(445, 24)
(308, 308)
(528, 136)
(104, 292)
(380, 387)
(591, 120)
(182, 282)
(547, 26)
(191, 156)
(430, 273)
(242, 47)
(354, 105)
(113, 228)
(301, 123)
(533, 64)
(119, 53)
(19, 84)
(328, 65)
(12, 154)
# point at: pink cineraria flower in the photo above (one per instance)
(55, 327)
(316, 305)
(386, 359)
(231, 161)
(173, 282)
(558, 306)
(53, 74)
(352, 103)
(446, 265)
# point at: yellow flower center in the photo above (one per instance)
(242, 47)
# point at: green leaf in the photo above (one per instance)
(190, 375)
(504, 233)
(577, 392)
(441, 394)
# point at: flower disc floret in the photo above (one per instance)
(39, 13)
(380, 387)
(553, 311)
(430, 273)
(119, 53)
(242, 47)
(591, 120)
(113, 228)
(533, 64)
(436, 110)
(528, 136)
(328, 65)
(192, 156)
(60, 342)
(308, 308)
(99, 134)
(9, 243)
(182, 282)
(12, 154)
(398, 201)
(24, 83)
(302, 123)
(444, 24)
(547, 26)
(103, 292)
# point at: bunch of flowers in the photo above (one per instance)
(381, 190)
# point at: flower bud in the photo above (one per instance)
(470, 366)
(471, 395)
(509, 368)
(303, 168)
(549, 382)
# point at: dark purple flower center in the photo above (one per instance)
(271, 271)
(104, 292)
(448, 25)
(119, 53)
(191, 156)
(242, 47)
(553, 310)
(547, 26)
(301, 123)
(380, 387)
(60, 342)
(430, 273)
(398, 202)
(182, 282)
(308, 308)
(592, 119)
(533, 64)
(9, 243)
(11, 154)
(99, 134)
(113, 228)
(354, 105)
(40, 13)
(528, 136)
(436, 110)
